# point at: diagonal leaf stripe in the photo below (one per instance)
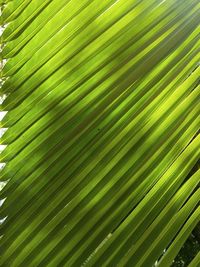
(167, 259)
(195, 261)
(103, 115)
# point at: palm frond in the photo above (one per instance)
(102, 101)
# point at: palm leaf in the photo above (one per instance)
(102, 102)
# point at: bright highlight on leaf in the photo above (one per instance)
(101, 106)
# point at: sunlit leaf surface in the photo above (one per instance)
(101, 132)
